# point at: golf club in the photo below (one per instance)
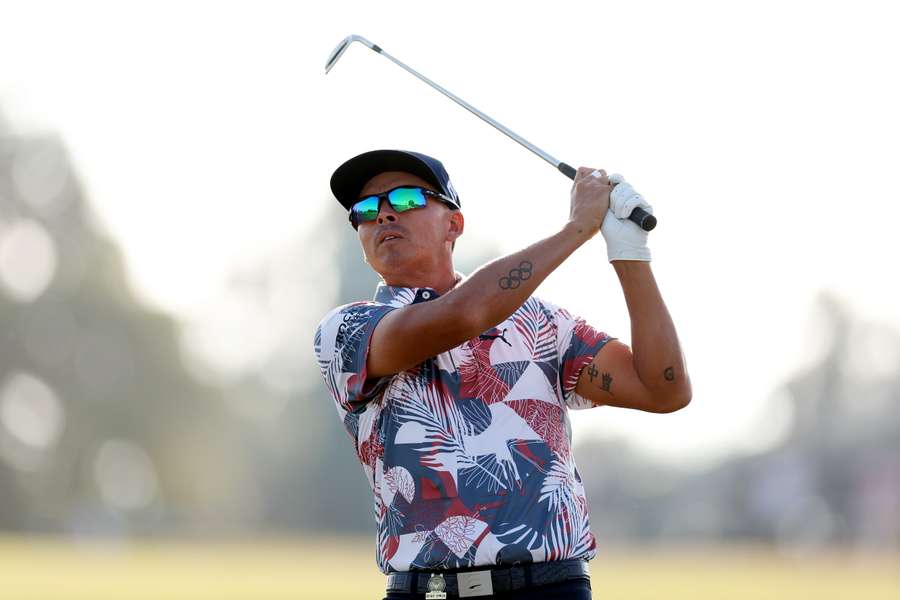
(643, 219)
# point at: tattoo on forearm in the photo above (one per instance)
(516, 276)
(669, 374)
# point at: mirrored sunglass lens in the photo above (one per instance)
(366, 209)
(403, 199)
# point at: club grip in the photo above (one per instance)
(639, 216)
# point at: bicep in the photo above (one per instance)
(610, 379)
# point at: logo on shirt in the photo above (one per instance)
(501, 335)
(342, 330)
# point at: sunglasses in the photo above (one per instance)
(401, 199)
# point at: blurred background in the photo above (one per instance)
(168, 243)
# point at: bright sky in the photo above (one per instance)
(765, 135)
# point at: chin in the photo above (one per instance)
(390, 267)
(390, 263)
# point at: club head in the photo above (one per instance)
(337, 52)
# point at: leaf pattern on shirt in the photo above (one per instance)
(398, 479)
(342, 368)
(511, 371)
(458, 532)
(430, 405)
(547, 421)
(582, 345)
(568, 530)
(490, 474)
(478, 378)
(520, 534)
(474, 435)
(535, 324)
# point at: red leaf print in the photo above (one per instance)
(546, 420)
(588, 334)
(477, 377)
(370, 450)
(393, 542)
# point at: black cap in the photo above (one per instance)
(349, 178)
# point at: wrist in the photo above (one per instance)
(628, 255)
(579, 231)
(629, 268)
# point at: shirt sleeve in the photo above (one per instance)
(578, 343)
(342, 347)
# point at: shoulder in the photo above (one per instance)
(340, 321)
(536, 305)
(571, 327)
(354, 310)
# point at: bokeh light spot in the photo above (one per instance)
(32, 419)
(40, 174)
(31, 411)
(125, 475)
(27, 260)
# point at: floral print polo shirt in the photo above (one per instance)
(468, 454)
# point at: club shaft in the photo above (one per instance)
(513, 135)
(642, 218)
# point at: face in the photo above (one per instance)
(418, 239)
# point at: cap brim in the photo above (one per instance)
(348, 179)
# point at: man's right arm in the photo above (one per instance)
(408, 336)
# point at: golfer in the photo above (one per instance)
(456, 389)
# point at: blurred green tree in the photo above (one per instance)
(101, 428)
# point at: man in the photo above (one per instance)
(455, 389)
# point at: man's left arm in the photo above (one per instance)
(651, 376)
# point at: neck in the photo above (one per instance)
(441, 281)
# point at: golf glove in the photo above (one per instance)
(625, 240)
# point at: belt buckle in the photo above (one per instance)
(436, 587)
(474, 583)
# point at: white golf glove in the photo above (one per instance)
(625, 240)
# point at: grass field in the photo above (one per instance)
(48, 569)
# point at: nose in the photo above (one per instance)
(386, 212)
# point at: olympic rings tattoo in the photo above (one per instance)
(516, 276)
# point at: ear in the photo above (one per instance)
(456, 225)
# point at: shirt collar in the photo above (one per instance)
(403, 296)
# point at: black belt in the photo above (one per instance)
(504, 579)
